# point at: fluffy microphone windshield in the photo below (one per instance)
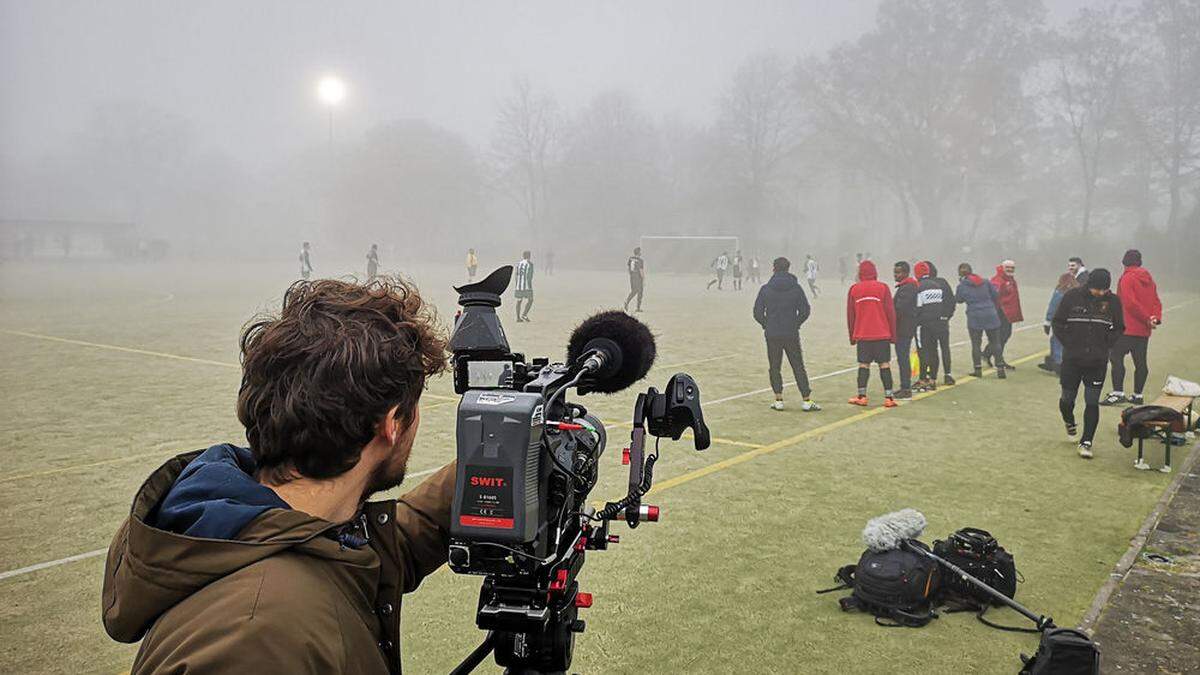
(627, 343)
(887, 531)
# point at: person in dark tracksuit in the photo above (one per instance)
(905, 300)
(637, 278)
(1088, 322)
(935, 306)
(943, 338)
(781, 308)
(983, 317)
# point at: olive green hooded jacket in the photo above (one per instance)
(290, 593)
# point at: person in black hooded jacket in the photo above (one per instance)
(1088, 322)
(781, 308)
(905, 300)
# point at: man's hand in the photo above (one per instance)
(1154, 322)
(1046, 327)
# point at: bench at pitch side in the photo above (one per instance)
(1161, 429)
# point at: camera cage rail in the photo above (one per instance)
(504, 611)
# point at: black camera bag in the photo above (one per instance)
(1063, 651)
(897, 587)
(978, 553)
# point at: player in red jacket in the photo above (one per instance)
(871, 320)
(1143, 313)
(1008, 301)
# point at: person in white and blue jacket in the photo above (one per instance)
(1053, 362)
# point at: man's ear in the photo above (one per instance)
(391, 426)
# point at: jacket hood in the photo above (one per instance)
(908, 281)
(922, 270)
(866, 271)
(1000, 273)
(1138, 272)
(973, 279)
(151, 569)
(782, 281)
(215, 496)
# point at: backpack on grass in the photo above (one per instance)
(1063, 651)
(978, 553)
(897, 587)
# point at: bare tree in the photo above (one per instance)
(760, 125)
(1168, 102)
(523, 145)
(1092, 61)
(930, 102)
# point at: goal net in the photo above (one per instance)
(686, 254)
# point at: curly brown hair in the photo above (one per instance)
(317, 378)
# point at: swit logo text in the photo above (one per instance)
(483, 481)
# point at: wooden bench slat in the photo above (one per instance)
(1179, 403)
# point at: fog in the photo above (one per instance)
(915, 127)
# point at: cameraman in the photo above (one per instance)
(268, 559)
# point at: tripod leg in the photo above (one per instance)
(476, 657)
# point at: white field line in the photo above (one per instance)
(100, 551)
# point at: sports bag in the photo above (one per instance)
(978, 553)
(1134, 422)
(1063, 651)
(897, 587)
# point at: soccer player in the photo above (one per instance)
(472, 264)
(755, 272)
(719, 265)
(637, 278)
(781, 308)
(1143, 314)
(871, 320)
(306, 267)
(905, 301)
(1089, 321)
(737, 270)
(810, 274)
(1009, 299)
(372, 263)
(524, 287)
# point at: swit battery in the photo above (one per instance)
(497, 495)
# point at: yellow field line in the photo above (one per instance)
(811, 433)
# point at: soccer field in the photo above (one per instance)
(106, 372)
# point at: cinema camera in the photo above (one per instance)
(527, 461)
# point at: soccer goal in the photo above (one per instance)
(685, 253)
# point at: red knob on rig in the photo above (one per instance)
(583, 600)
(625, 456)
(614, 539)
(650, 513)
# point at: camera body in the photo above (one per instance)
(527, 462)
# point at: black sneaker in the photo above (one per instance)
(1113, 399)
(904, 395)
(949, 381)
(1009, 366)
(1046, 366)
(1001, 373)
(1136, 399)
(977, 373)
(1072, 429)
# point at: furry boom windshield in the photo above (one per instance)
(886, 532)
